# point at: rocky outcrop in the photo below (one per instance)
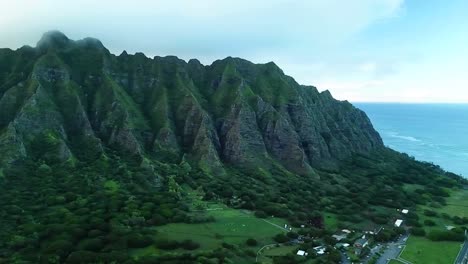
(75, 96)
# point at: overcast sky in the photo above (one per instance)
(360, 50)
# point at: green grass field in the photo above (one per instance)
(331, 222)
(279, 251)
(423, 251)
(231, 226)
(457, 204)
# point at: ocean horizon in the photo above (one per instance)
(432, 132)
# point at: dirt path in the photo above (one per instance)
(275, 225)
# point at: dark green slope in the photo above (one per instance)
(231, 112)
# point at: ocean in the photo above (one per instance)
(436, 133)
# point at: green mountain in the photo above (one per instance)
(99, 149)
(81, 99)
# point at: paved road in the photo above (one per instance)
(373, 251)
(463, 254)
(392, 250)
(344, 258)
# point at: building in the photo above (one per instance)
(301, 253)
(404, 211)
(361, 242)
(346, 231)
(398, 222)
(339, 237)
(320, 250)
(342, 245)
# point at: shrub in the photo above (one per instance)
(292, 235)
(445, 236)
(250, 253)
(281, 238)
(94, 233)
(260, 214)
(94, 244)
(138, 241)
(251, 242)
(79, 257)
(189, 244)
(59, 247)
(430, 213)
(227, 245)
(167, 244)
(429, 222)
(417, 231)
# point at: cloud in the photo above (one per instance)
(318, 42)
(206, 28)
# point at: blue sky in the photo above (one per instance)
(360, 50)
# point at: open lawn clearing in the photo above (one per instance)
(457, 204)
(421, 250)
(279, 251)
(231, 226)
(278, 221)
(331, 222)
(440, 223)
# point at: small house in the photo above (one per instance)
(320, 250)
(398, 222)
(301, 253)
(341, 245)
(361, 242)
(339, 237)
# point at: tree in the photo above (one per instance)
(418, 231)
(430, 213)
(292, 235)
(251, 242)
(94, 244)
(167, 244)
(59, 247)
(138, 241)
(189, 244)
(261, 214)
(429, 222)
(437, 235)
(281, 238)
(79, 257)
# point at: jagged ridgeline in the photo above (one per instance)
(67, 101)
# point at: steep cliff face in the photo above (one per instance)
(66, 100)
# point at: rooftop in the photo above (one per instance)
(398, 222)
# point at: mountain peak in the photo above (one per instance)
(53, 39)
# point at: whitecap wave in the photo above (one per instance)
(409, 138)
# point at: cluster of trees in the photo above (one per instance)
(102, 207)
(389, 234)
(62, 212)
(456, 234)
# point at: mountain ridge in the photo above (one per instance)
(232, 111)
